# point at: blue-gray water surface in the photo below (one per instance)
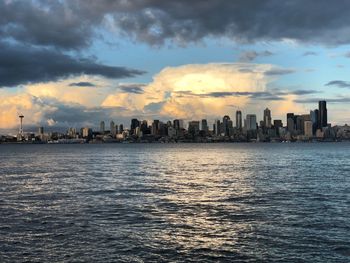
(175, 203)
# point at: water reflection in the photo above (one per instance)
(231, 202)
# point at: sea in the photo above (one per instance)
(225, 202)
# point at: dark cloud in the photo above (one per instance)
(154, 106)
(278, 72)
(23, 65)
(330, 100)
(72, 24)
(339, 84)
(46, 23)
(259, 95)
(82, 84)
(310, 53)
(249, 56)
(132, 88)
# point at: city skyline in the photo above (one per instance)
(312, 126)
(238, 117)
(118, 60)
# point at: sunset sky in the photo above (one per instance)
(73, 63)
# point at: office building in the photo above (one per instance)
(322, 114)
(121, 128)
(155, 127)
(239, 119)
(217, 128)
(225, 125)
(250, 122)
(112, 129)
(193, 127)
(267, 118)
(134, 123)
(290, 122)
(102, 127)
(308, 128)
(205, 127)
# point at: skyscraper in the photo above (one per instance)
(322, 113)
(134, 123)
(112, 129)
(102, 127)
(308, 128)
(217, 128)
(238, 119)
(121, 128)
(144, 127)
(205, 126)
(290, 122)
(176, 124)
(225, 125)
(155, 127)
(314, 118)
(267, 118)
(193, 128)
(251, 122)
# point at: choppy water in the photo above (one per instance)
(178, 203)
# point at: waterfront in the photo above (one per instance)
(175, 202)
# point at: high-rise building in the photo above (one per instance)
(87, 133)
(267, 118)
(41, 130)
(112, 129)
(155, 127)
(322, 113)
(225, 125)
(134, 123)
(121, 128)
(238, 119)
(176, 124)
(277, 124)
(181, 124)
(251, 122)
(217, 128)
(299, 124)
(205, 126)
(193, 127)
(144, 127)
(308, 128)
(102, 127)
(72, 132)
(290, 122)
(314, 119)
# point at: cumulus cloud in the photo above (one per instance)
(192, 91)
(198, 90)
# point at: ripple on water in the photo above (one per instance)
(205, 202)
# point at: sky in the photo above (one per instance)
(74, 63)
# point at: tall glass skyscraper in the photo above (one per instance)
(322, 113)
(238, 119)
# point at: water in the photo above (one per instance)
(177, 203)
